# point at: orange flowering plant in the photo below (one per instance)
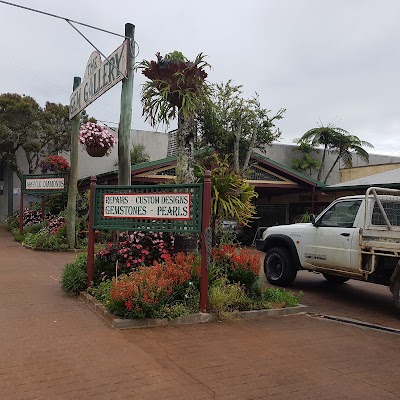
(146, 291)
(237, 265)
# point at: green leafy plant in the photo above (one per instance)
(102, 291)
(232, 197)
(44, 240)
(175, 88)
(173, 311)
(281, 297)
(225, 298)
(306, 217)
(74, 278)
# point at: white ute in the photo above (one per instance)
(355, 237)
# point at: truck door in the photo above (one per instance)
(332, 242)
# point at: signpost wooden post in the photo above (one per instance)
(99, 77)
(73, 174)
(125, 119)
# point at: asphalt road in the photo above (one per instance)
(362, 301)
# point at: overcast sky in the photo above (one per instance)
(325, 61)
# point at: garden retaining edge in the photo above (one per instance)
(119, 323)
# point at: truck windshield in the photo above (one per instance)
(342, 214)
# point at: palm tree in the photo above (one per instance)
(322, 136)
(139, 154)
(346, 146)
(175, 89)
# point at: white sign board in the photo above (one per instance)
(99, 77)
(150, 205)
(44, 183)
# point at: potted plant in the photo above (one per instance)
(97, 139)
(54, 164)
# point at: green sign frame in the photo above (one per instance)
(45, 184)
(155, 208)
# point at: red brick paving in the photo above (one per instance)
(54, 347)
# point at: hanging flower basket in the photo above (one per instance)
(97, 139)
(96, 151)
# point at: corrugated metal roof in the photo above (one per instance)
(388, 179)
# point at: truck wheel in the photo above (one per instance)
(335, 278)
(396, 293)
(278, 267)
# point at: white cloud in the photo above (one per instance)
(323, 61)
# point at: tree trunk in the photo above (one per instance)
(185, 146)
(236, 149)
(333, 166)
(322, 165)
(250, 151)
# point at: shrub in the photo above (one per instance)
(73, 278)
(34, 228)
(44, 240)
(145, 292)
(173, 311)
(31, 216)
(132, 251)
(101, 292)
(281, 297)
(56, 203)
(55, 222)
(236, 264)
(225, 297)
(12, 222)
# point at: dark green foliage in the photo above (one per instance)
(74, 278)
(44, 240)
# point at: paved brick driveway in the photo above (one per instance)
(54, 347)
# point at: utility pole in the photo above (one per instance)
(125, 120)
(73, 176)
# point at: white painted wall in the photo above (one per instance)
(156, 144)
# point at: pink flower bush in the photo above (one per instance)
(91, 134)
(132, 251)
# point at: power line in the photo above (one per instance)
(63, 18)
(63, 90)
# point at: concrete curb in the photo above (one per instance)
(119, 323)
(55, 251)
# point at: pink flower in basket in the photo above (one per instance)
(94, 135)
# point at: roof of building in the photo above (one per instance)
(266, 173)
(390, 179)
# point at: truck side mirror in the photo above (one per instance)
(312, 219)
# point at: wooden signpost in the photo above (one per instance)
(100, 76)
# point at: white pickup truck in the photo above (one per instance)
(355, 237)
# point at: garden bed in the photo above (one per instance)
(120, 323)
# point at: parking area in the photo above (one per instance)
(53, 346)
